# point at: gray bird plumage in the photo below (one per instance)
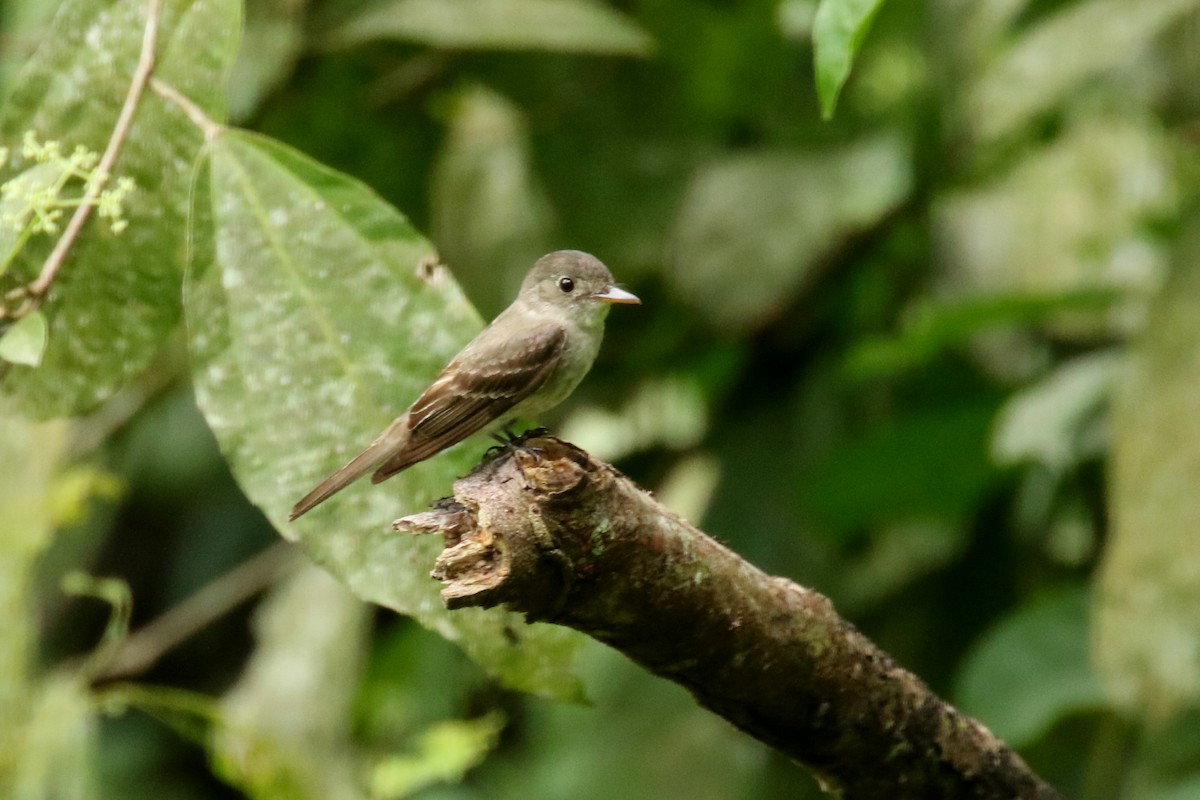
(528, 360)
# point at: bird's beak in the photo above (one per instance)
(615, 294)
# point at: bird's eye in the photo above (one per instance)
(566, 284)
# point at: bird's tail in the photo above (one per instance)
(380, 450)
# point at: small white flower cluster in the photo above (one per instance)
(109, 203)
(33, 202)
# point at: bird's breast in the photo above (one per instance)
(578, 353)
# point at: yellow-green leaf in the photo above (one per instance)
(25, 342)
(560, 25)
(838, 31)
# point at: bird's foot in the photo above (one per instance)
(508, 437)
(509, 441)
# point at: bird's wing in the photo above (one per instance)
(467, 397)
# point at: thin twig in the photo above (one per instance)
(141, 75)
(145, 646)
(210, 127)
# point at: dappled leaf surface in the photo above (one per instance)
(564, 25)
(316, 317)
(117, 295)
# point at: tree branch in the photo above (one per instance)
(548, 531)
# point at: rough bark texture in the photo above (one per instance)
(550, 532)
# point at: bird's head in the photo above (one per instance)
(574, 282)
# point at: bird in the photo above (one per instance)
(528, 360)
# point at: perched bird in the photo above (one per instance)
(528, 360)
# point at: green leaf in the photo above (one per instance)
(316, 315)
(1148, 606)
(922, 467)
(37, 178)
(577, 26)
(25, 342)
(753, 226)
(930, 329)
(444, 754)
(285, 726)
(1052, 422)
(838, 32)
(1032, 669)
(24, 23)
(117, 295)
(490, 215)
(1166, 763)
(1079, 42)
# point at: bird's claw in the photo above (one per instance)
(508, 441)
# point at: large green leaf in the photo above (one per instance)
(1081, 41)
(561, 25)
(1148, 607)
(838, 31)
(753, 226)
(1032, 669)
(24, 23)
(316, 316)
(117, 295)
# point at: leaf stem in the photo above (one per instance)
(210, 127)
(141, 76)
(142, 649)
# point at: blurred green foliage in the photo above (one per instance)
(935, 357)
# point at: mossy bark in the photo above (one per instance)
(548, 531)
